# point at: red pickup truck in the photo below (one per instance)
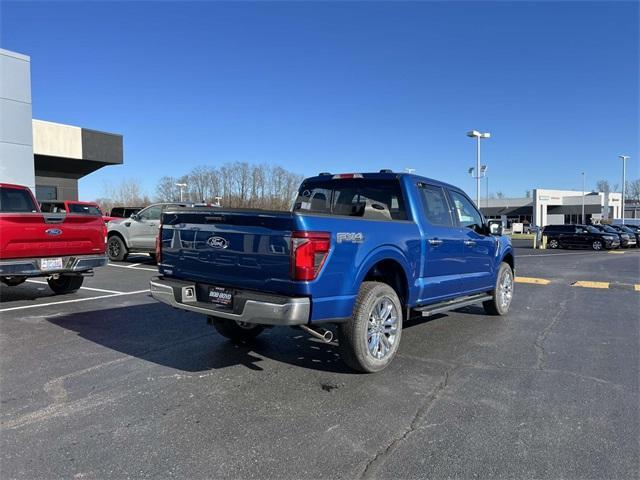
(63, 247)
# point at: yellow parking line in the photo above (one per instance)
(588, 284)
(618, 252)
(532, 280)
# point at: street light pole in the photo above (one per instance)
(478, 135)
(624, 159)
(583, 222)
(181, 186)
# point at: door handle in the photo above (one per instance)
(434, 241)
(469, 243)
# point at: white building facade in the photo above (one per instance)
(546, 207)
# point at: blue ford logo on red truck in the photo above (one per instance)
(217, 242)
(53, 231)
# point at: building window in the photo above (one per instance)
(46, 192)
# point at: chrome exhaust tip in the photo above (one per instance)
(325, 335)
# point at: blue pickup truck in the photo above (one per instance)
(364, 251)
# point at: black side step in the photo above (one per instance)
(434, 308)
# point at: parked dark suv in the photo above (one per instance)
(623, 236)
(568, 236)
(633, 240)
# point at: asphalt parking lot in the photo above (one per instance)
(108, 383)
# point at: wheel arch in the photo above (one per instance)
(116, 233)
(388, 266)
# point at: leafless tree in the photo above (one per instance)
(632, 190)
(166, 190)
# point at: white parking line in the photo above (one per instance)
(75, 300)
(133, 266)
(81, 288)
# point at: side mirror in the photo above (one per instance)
(495, 228)
(134, 216)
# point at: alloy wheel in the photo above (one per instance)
(382, 328)
(505, 289)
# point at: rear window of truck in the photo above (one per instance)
(84, 209)
(16, 200)
(357, 197)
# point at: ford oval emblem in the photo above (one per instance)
(53, 231)
(217, 242)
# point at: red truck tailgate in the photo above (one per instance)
(29, 235)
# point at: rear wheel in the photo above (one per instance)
(116, 249)
(553, 243)
(502, 294)
(236, 331)
(65, 283)
(369, 341)
(597, 245)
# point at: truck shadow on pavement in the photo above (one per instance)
(183, 341)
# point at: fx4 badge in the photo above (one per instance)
(350, 237)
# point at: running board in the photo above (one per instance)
(434, 308)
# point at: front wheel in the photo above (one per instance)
(116, 249)
(236, 331)
(597, 245)
(502, 294)
(370, 339)
(553, 243)
(65, 283)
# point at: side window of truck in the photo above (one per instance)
(151, 213)
(436, 207)
(466, 213)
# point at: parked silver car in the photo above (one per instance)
(137, 234)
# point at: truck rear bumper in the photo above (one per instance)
(31, 267)
(264, 310)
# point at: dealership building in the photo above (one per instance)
(546, 207)
(47, 157)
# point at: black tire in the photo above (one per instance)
(597, 245)
(13, 281)
(154, 257)
(497, 305)
(553, 243)
(236, 331)
(116, 249)
(65, 283)
(353, 336)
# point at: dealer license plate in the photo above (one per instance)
(47, 264)
(221, 296)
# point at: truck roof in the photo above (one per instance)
(379, 176)
(13, 185)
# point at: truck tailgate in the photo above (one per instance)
(29, 235)
(241, 249)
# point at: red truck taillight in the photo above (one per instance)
(159, 245)
(309, 250)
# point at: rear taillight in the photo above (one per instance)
(309, 250)
(159, 245)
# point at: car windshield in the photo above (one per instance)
(592, 229)
(607, 228)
